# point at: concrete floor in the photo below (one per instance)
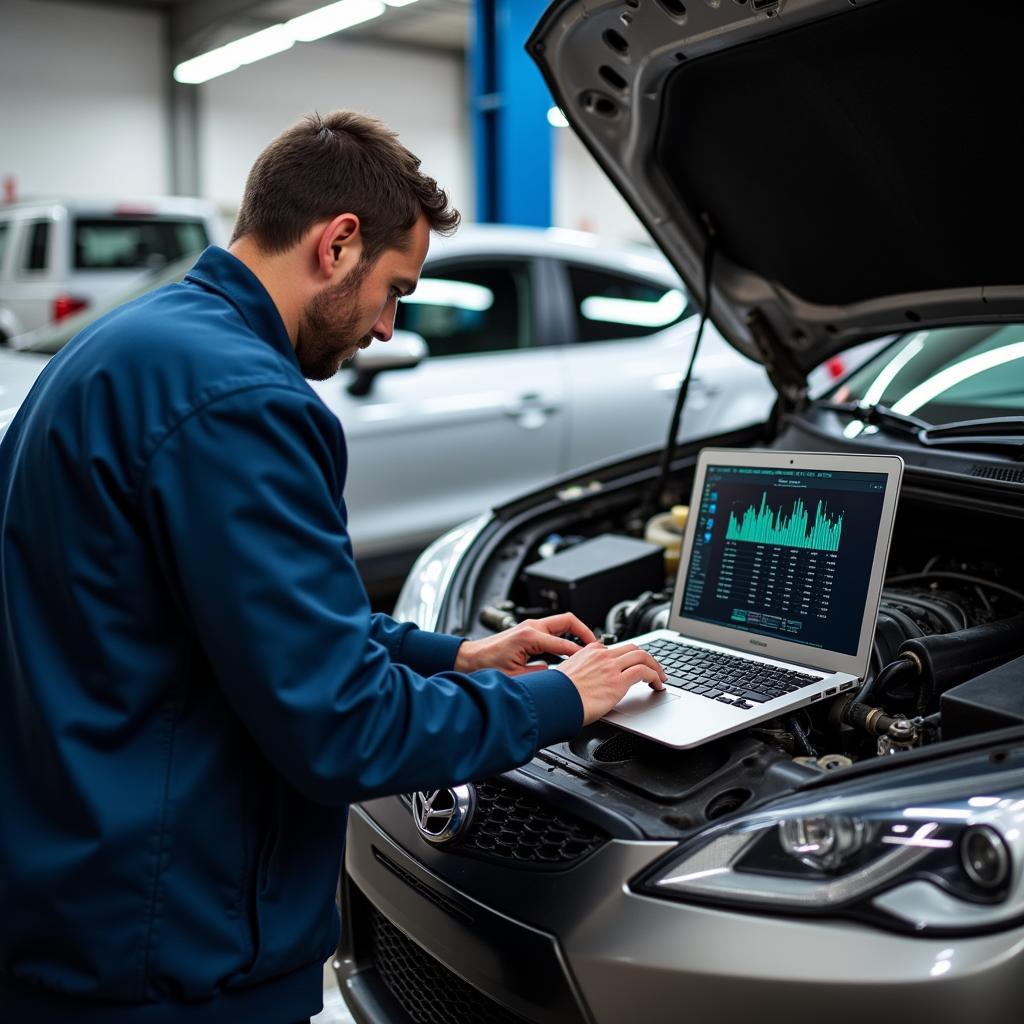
(334, 1011)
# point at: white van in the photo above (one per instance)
(58, 257)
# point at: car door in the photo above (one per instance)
(479, 420)
(30, 289)
(633, 339)
(8, 323)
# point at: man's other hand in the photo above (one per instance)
(602, 675)
(512, 650)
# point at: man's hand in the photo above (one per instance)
(602, 675)
(512, 650)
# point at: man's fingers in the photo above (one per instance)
(566, 622)
(643, 674)
(580, 629)
(635, 656)
(541, 642)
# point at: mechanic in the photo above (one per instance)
(193, 685)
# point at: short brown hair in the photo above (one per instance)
(342, 162)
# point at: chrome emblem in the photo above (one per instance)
(442, 815)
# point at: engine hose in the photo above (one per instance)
(946, 659)
(872, 720)
(878, 683)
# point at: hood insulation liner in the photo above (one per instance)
(877, 152)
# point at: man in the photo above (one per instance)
(192, 686)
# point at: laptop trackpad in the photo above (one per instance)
(641, 698)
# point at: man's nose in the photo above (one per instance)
(385, 326)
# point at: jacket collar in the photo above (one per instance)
(218, 271)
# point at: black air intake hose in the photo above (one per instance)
(945, 659)
(927, 666)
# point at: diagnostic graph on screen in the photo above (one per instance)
(765, 525)
(784, 553)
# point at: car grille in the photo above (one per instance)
(425, 989)
(511, 824)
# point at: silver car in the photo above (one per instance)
(523, 354)
(863, 860)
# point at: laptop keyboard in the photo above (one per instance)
(719, 676)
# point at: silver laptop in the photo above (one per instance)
(775, 603)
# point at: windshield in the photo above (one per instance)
(946, 374)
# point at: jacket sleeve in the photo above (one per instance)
(242, 500)
(419, 649)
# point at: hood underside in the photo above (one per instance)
(858, 161)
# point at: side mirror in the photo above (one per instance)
(404, 351)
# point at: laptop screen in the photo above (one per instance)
(784, 553)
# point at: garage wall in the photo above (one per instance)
(420, 95)
(81, 100)
(584, 199)
(82, 112)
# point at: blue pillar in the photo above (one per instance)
(511, 134)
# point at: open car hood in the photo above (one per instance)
(858, 161)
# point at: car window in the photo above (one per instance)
(52, 337)
(4, 231)
(468, 308)
(946, 374)
(612, 306)
(37, 240)
(116, 243)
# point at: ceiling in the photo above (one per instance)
(198, 24)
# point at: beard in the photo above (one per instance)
(329, 328)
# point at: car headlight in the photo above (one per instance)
(428, 579)
(945, 855)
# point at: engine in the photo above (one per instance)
(946, 661)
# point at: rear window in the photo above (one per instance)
(125, 243)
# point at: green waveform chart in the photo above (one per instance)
(770, 526)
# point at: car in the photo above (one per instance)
(60, 256)
(511, 365)
(526, 347)
(18, 372)
(864, 858)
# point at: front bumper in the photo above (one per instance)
(509, 944)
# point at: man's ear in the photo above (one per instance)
(339, 246)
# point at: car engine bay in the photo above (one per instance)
(947, 663)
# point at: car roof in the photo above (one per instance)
(556, 243)
(123, 206)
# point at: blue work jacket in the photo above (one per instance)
(192, 685)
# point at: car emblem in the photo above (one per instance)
(443, 815)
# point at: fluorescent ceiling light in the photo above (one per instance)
(233, 55)
(333, 18)
(436, 291)
(324, 21)
(557, 119)
(957, 374)
(880, 385)
(634, 312)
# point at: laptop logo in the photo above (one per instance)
(758, 643)
(442, 816)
